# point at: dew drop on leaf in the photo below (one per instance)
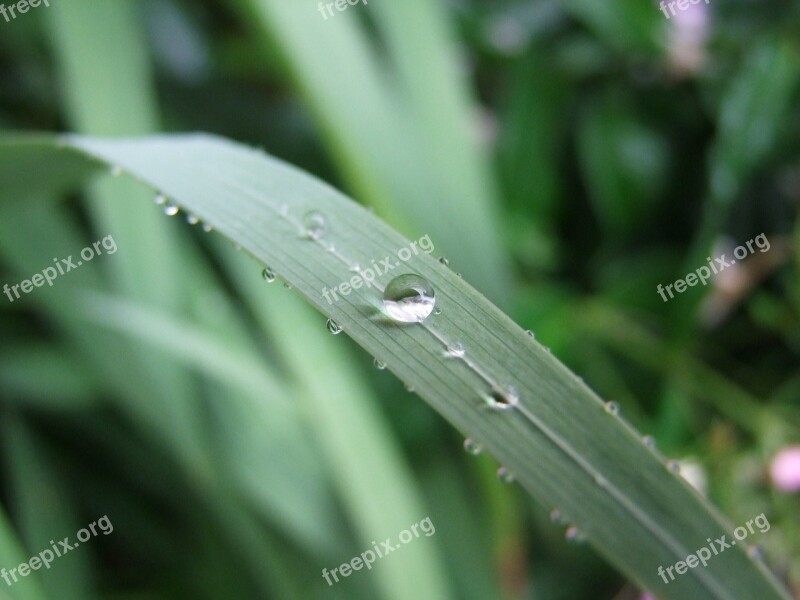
(170, 209)
(314, 225)
(504, 475)
(506, 399)
(472, 447)
(160, 199)
(574, 535)
(379, 365)
(268, 275)
(455, 350)
(612, 407)
(192, 219)
(409, 298)
(333, 327)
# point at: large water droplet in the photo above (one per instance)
(333, 327)
(472, 447)
(170, 209)
(504, 475)
(409, 298)
(379, 365)
(314, 224)
(505, 399)
(268, 275)
(455, 350)
(612, 407)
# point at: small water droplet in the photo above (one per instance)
(410, 388)
(574, 535)
(503, 399)
(207, 228)
(170, 209)
(437, 311)
(333, 327)
(649, 441)
(612, 407)
(556, 517)
(444, 261)
(409, 298)
(116, 171)
(331, 248)
(455, 350)
(160, 199)
(472, 447)
(458, 274)
(547, 349)
(268, 275)
(530, 333)
(287, 285)
(379, 365)
(505, 475)
(314, 224)
(356, 268)
(674, 466)
(284, 210)
(192, 219)
(755, 552)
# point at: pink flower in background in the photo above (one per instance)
(785, 469)
(689, 30)
(647, 596)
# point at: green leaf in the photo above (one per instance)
(559, 440)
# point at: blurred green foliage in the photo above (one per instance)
(568, 156)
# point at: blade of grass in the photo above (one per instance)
(378, 120)
(564, 446)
